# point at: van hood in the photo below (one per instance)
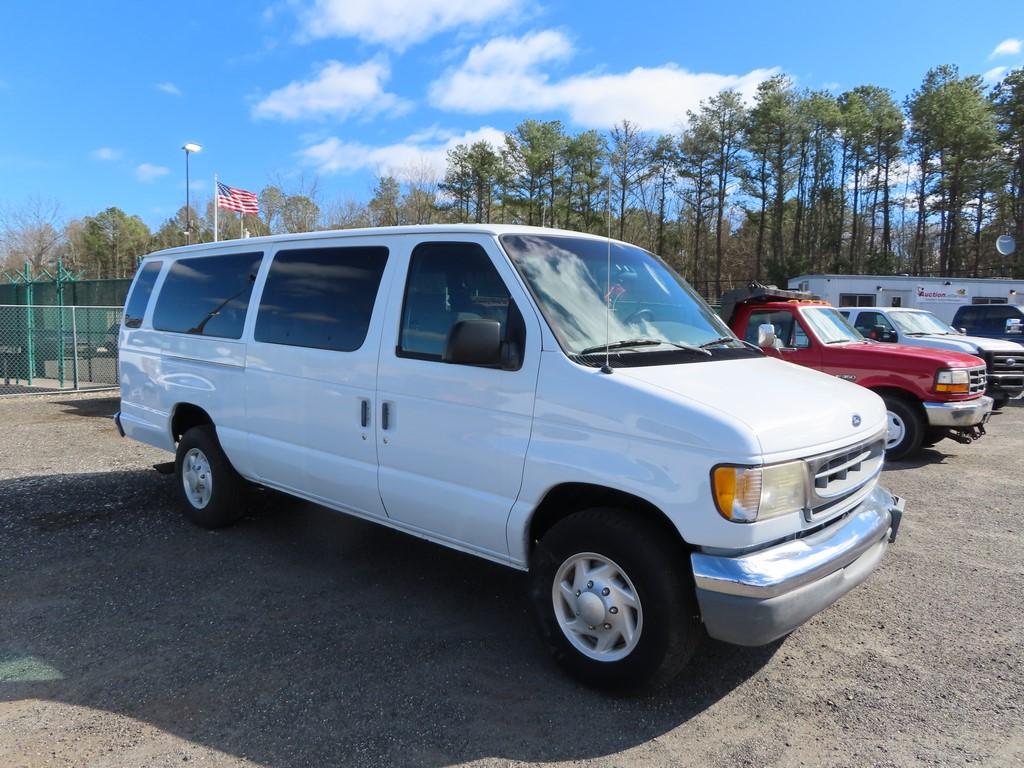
(969, 344)
(793, 411)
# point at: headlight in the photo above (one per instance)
(956, 381)
(746, 494)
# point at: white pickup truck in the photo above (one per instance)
(559, 403)
(1004, 360)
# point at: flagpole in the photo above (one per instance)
(215, 207)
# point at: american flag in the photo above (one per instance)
(235, 199)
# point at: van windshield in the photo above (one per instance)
(652, 308)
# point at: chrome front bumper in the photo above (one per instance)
(755, 598)
(959, 413)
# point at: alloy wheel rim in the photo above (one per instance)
(197, 478)
(597, 607)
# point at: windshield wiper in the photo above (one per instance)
(720, 340)
(624, 343)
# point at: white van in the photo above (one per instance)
(457, 383)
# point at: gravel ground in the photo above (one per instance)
(305, 638)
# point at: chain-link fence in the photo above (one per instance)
(57, 349)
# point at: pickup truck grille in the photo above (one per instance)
(1006, 369)
(840, 479)
(977, 380)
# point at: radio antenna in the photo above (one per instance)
(608, 285)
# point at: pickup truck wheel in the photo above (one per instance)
(905, 428)
(209, 485)
(999, 402)
(614, 600)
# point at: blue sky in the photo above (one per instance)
(96, 98)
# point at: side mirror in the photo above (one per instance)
(963, 331)
(474, 342)
(766, 336)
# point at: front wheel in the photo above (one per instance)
(612, 595)
(904, 428)
(210, 488)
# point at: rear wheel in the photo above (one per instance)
(210, 488)
(612, 595)
(904, 427)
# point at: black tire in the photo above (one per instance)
(998, 403)
(933, 435)
(910, 417)
(226, 487)
(657, 567)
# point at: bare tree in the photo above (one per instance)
(32, 233)
(421, 182)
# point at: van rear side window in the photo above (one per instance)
(320, 297)
(207, 295)
(135, 309)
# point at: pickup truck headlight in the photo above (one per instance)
(953, 381)
(747, 494)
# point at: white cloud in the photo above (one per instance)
(336, 156)
(398, 23)
(994, 74)
(503, 74)
(106, 153)
(337, 90)
(1009, 47)
(170, 88)
(147, 172)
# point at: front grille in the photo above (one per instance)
(840, 479)
(977, 380)
(1007, 368)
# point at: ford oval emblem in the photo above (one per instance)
(856, 420)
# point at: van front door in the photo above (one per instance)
(453, 437)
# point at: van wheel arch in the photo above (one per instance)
(566, 499)
(185, 416)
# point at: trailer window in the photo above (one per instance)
(856, 299)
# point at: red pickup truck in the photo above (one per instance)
(930, 394)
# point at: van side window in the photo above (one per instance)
(449, 282)
(320, 297)
(135, 309)
(207, 295)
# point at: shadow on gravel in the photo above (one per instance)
(299, 636)
(104, 407)
(922, 458)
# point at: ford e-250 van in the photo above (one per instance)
(556, 402)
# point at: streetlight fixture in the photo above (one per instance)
(189, 149)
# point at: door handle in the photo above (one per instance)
(385, 415)
(364, 412)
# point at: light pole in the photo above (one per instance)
(189, 149)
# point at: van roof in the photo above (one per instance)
(414, 229)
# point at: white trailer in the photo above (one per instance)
(940, 295)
